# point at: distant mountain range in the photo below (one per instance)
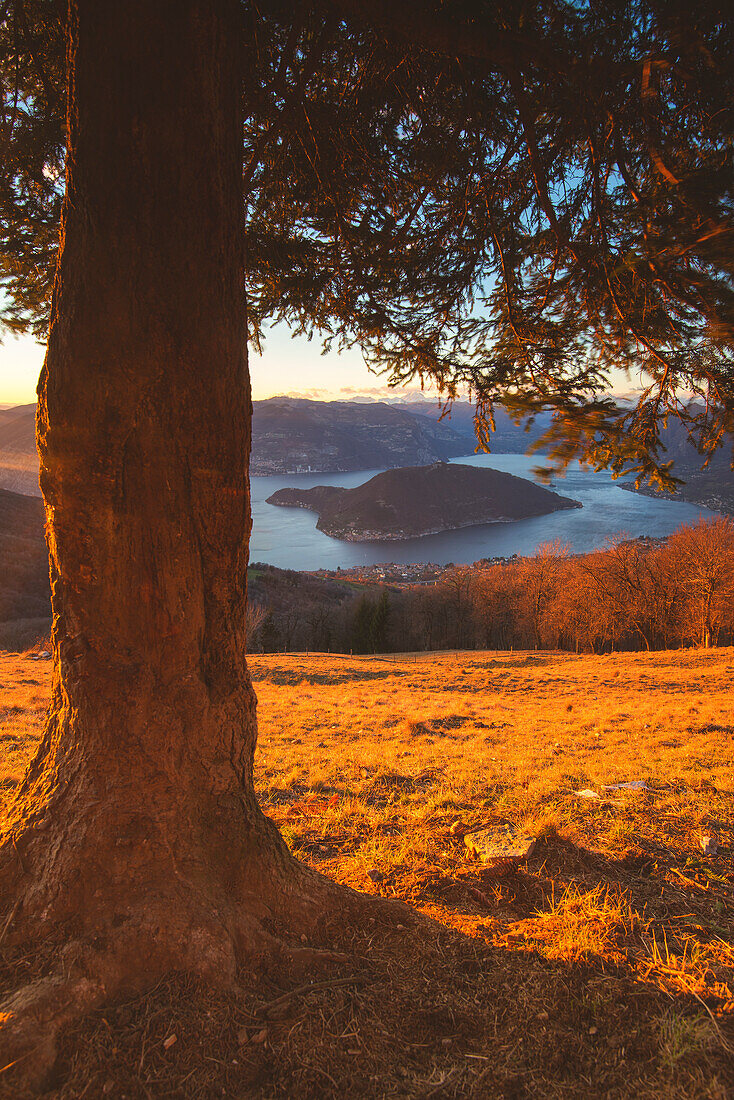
(297, 435)
(422, 500)
(24, 584)
(508, 438)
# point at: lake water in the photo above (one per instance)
(287, 537)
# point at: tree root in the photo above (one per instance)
(209, 944)
(113, 895)
(87, 976)
(30, 1021)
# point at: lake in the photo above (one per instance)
(287, 537)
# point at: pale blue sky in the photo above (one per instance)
(287, 366)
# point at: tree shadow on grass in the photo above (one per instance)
(418, 1009)
(496, 982)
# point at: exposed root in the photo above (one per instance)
(117, 893)
(87, 976)
(289, 931)
(7, 925)
(30, 1021)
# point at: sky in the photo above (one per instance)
(288, 365)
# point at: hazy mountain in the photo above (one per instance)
(297, 434)
(24, 584)
(712, 487)
(422, 500)
(18, 429)
(509, 438)
(294, 434)
(18, 457)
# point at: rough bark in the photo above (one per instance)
(136, 839)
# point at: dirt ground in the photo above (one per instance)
(602, 965)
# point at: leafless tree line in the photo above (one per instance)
(633, 594)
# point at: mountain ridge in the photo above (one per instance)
(295, 435)
(301, 435)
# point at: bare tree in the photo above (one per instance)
(255, 616)
(701, 557)
(542, 576)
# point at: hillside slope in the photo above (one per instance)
(24, 583)
(290, 434)
(18, 457)
(296, 434)
(421, 500)
(18, 429)
(712, 488)
(601, 966)
(508, 437)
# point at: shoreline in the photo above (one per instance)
(366, 536)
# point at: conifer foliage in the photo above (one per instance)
(510, 198)
(515, 197)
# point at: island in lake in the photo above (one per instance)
(422, 500)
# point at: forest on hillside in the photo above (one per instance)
(631, 595)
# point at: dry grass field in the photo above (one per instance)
(603, 965)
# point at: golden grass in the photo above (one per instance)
(581, 925)
(608, 956)
(24, 695)
(409, 747)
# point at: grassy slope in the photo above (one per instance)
(604, 966)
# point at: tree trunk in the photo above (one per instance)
(137, 825)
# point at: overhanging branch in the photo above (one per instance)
(435, 33)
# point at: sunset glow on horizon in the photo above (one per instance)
(288, 365)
